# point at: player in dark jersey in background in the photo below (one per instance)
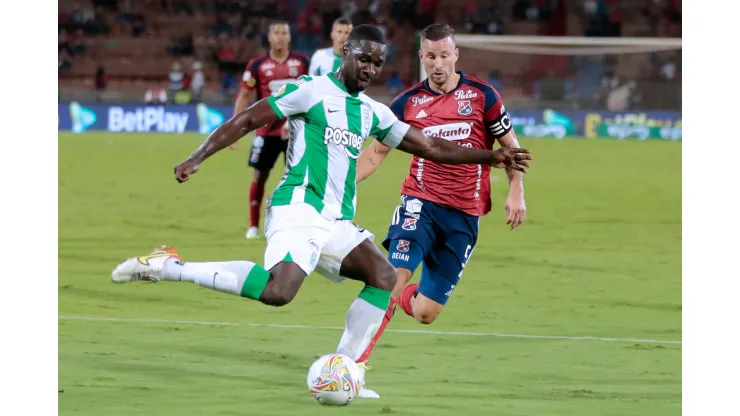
(437, 221)
(265, 75)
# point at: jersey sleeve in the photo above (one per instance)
(294, 98)
(387, 128)
(496, 119)
(313, 68)
(398, 106)
(249, 78)
(306, 64)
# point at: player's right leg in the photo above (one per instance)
(296, 235)
(262, 157)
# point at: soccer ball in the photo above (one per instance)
(334, 380)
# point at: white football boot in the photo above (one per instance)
(365, 393)
(148, 267)
(253, 232)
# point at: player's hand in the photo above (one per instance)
(185, 169)
(233, 146)
(516, 210)
(511, 157)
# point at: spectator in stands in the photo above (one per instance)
(619, 97)
(79, 46)
(394, 84)
(198, 82)
(65, 61)
(176, 78)
(101, 79)
(63, 40)
(349, 8)
(101, 82)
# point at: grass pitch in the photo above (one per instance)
(599, 255)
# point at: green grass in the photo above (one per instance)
(599, 255)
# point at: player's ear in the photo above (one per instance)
(420, 55)
(457, 54)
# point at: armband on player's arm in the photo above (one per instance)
(500, 125)
(370, 159)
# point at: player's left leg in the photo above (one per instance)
(352, 254)
(441, 271)
(262, 157)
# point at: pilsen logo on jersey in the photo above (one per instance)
(459, 95)
(464, 108)
(352, 142)
(267, 66)
(421, 100)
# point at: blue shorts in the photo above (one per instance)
(442, 238)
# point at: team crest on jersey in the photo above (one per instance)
(464, 108)
(293, 71)
(409, 224)
(403, 246)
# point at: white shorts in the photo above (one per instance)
(313, 242)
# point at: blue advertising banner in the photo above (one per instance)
(636, 125)
(639, 125)
(200, 118)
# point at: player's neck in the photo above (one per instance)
(337, 52)
(448, 86)
(279, 55)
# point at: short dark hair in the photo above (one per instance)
(342, 21)
(437, 31)
(277, 22)
(366, 32)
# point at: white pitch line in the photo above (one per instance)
(403, 331)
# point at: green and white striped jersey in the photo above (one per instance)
(324, 62)
(328, 126)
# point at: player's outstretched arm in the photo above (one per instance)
(370, 159)
(444, 151)
(516, 209)
(243, 99)
(226, 134)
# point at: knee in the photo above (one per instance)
(260, 177)
(279, 296)
(426, 317)
(425, 311)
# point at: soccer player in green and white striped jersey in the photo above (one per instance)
(328, 60)
(309, 216)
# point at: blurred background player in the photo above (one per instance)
(327, 60)
(265, 75)
(437, 221)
